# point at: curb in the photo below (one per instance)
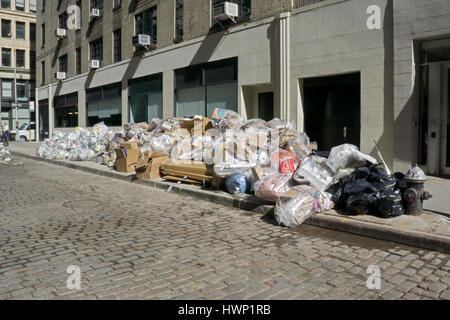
(324, 220)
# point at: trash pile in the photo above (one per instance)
(271, 160)
(6, 159)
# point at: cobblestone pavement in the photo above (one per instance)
(134, 242)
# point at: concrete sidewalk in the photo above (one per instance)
(430, 231)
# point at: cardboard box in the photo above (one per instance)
(152, 169)
(127, 157)
(192, 170)
(196, 125)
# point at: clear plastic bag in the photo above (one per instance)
(224, 170)
(291, 212)
(238, 184)
(316, 171)
(271, 188)
(348, 156)
(162, 143)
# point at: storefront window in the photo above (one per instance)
(202, 88)
(104, 104)
(66, 111)
(145, 98)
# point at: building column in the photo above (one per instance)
(51, 113)
(36, 115)
(282, 77)
(168, 94)
(125, 110)
(82, 108)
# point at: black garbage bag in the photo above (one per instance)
(359, 186)
(389, 204)
(360, 203)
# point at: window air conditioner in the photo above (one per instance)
(61, 33)
(141, 40)
(95, 13)
(60, 75)
(226, 11)
(94, 64)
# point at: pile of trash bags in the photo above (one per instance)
(269, 159)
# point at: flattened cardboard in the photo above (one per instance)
(152, 169)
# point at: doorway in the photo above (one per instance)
(265, 106)
(445, 144)
(332, 110)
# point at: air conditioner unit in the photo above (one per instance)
(94, 64)
(95, 13)
(61, 33)
(60, 75)
(226, 11)
(141, 40)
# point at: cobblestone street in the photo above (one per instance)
(135, 242)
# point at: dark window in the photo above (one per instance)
(32, 60)
(117, 45)
(104, 104)
(146, 23)
(63, 63)
(32, 32)
(66, 111)
(6, 28)
(20, 30)
(117, 3)
(6, 4)
(20, 5)
(6, 57)
(179, 18)
(202, 88)
(43, 71)
(145, 98)
(43, 35)
(21, 89)
(63, 20)
(20, 58)
(97, 49)
(97, 4)
(78, 61)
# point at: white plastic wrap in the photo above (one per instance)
(348, 156)
(162, 143)
(291, 212)
(270, 188)
(316, 171)
(224, 170)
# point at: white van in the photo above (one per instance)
(27, 132)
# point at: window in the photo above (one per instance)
(43, 71)
(43, 5)
(7, 88)
(117, 3)
(145, 98)
(32, 60)
(78, 61)
(32, 32)
(6, 28)
(97, 49)
(117, 45)
(43, 35)
(63, 63)
(66, 111)
(21, 89)
(20, 5)
(6, 4)
(179, 18)
(32, 89)
(97, 4)
(20, 58)
(104, 104)
(32, 5)
(146, 23)
(6, 57)
(20, 30)
(80, 17)
(202, 88)
(63, 20)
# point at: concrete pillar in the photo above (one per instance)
(125, 110)
(51, 113)
(282, 77)
(82, 108)
(168, 94)
(36, 115)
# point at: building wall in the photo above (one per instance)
(414, 21)
(275, 51)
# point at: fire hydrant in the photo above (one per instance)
(415, 193)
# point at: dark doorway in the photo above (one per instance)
(43, 119)
(265, 106)
(332, 110)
